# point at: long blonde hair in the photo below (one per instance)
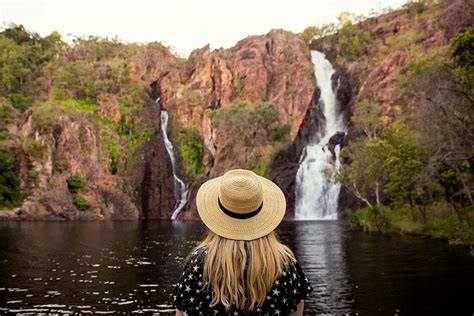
(240, 273)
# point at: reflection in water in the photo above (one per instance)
(319, 248)
(131, 267)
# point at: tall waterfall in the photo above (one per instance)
(316, 197)
(180, 188)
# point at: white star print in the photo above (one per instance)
(277, 282)
(283, 300)
(294, 291)
(195, 268)
(191, 299)
(188, 288)
(277, 312)
(276, 292)
(199, 283)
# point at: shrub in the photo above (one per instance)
(32, 174)
(81, 203)
(112, 150)
(248, 122)
(60, 164)
(353, 41)
(9, 186)
(33, 148)
(278, 133)
(20, 101)
(370, 218)
(74, 183)
(191, 150)
(46, 115)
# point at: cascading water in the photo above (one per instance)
(180, 188)
(316, 197)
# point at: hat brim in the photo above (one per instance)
(263, 223)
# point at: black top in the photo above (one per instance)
(192, 298)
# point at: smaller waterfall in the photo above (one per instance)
(316, 197)
(180, 188)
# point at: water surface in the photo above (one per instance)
(131, 267)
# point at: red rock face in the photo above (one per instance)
(275, 67)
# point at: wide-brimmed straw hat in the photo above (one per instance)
(241, 205)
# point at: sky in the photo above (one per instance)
(183, 25)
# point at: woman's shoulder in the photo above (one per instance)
(291, 286)
(189, 291)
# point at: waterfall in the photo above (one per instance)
(316, 197)
(180, 188)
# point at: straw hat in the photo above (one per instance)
(241, 205)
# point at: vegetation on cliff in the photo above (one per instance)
(410, 160)
(253, 125)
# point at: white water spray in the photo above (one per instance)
(180, 188)
(316, 197)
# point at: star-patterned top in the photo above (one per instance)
(192, 298)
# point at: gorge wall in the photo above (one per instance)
(89, 145)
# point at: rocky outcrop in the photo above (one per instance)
(275, 67)
(51, 154)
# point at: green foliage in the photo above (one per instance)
(370, 218)
(316, 32)
(9, 185)
(78, 104)
(20, 101)
(240, 85)
(46, 115)
(74, 183)
(353, 41)
(32, 174)
(23, 56)
(34, 148)
(278, 132)
(113, 152)
(462, 52)
(60, 164)
(403, 39)
(249, 122)
(416, 7)
(367, 119)
(81, 203)
(6, 117)
(98, 65)
(191, 150)
(259, 168)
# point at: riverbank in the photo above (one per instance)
(441, 223)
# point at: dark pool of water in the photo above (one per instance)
(130, 267)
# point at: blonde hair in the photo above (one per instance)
(241, 273)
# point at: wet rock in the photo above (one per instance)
(337, 139)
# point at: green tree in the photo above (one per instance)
(353, 41)
(191, 151)
(9, 185)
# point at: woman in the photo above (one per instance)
(240, 268)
